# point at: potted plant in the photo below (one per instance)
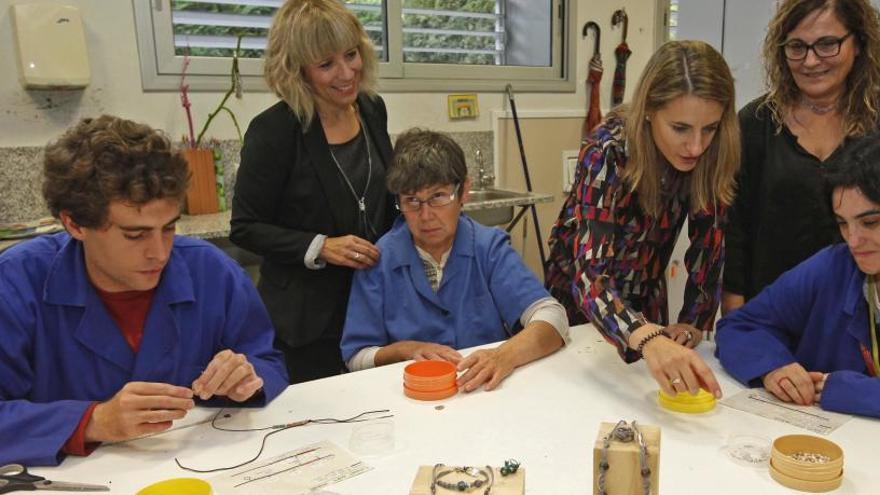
(207, 192)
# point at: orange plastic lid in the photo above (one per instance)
(429, 369)
(430, 376)
(432, 395)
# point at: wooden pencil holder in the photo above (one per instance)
(623, 475)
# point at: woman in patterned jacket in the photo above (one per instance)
(671, 155)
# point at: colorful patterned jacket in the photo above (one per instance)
(608, 258)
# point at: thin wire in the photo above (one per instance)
(359, 418)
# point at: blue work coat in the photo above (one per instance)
(484, 291)
(60, 350)
(814, 314)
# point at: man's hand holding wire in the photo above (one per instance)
(230, 375)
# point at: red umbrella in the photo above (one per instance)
(621, 53)
(594, 113)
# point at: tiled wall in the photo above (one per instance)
(21, 172)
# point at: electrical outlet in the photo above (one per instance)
(569, 168)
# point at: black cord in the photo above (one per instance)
(359, 418)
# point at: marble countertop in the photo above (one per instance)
(216, 225)
(208, 226)
(523, 200)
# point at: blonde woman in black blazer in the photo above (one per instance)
(310, 193)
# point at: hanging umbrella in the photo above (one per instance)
(594, 114)
(621, 53)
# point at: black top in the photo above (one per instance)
(362, 172)
(287, 191)
(781, 215)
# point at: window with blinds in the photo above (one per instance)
(415, 39)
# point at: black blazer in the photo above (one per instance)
(286, 192)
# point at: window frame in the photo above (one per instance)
(161, 68)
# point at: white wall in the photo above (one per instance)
(32, 118)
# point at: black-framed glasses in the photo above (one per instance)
(436, 200)
(824, 47)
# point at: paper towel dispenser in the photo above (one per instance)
(51, 46)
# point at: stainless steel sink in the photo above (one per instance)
(488, 215)
(492, 194)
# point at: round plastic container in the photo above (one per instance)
(802, 475)
(430, 380)
(687, 403)
(178, 486)
(429, 395)
(805, 485)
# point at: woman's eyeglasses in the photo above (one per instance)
(436, 200)
(824, 47)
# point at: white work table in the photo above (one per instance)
(546, 415)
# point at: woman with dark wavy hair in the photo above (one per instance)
(822, 63)
(811, 337)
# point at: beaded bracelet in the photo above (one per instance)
(482, 477)
(652, 335)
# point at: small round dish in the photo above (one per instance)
(748, 450)
(783, 462)
(178, 486)
(684, 402)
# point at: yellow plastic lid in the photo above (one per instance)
(684, 402)
(178, 486)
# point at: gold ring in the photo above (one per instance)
(357, 255)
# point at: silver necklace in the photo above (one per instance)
(361, 200)
(624, 432)
(818, 109)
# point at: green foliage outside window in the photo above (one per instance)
(373, 22)
(421, 40)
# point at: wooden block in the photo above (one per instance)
(513, 484)
(624, 472)
(201, 197)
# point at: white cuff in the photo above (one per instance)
(363, 359)
(311, 260)
(548, 310)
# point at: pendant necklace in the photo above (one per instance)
(361, 200)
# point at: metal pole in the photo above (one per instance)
(525, 167)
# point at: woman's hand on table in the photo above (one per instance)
(406, 350)
(350, 251)
(676, 368)
(793, 383)
(684, 334)
(430, 351)
(486, 367)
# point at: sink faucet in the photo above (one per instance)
(486, 179)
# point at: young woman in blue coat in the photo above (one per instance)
(812, 336)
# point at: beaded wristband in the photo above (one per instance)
(652, 335)
(482, 477)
